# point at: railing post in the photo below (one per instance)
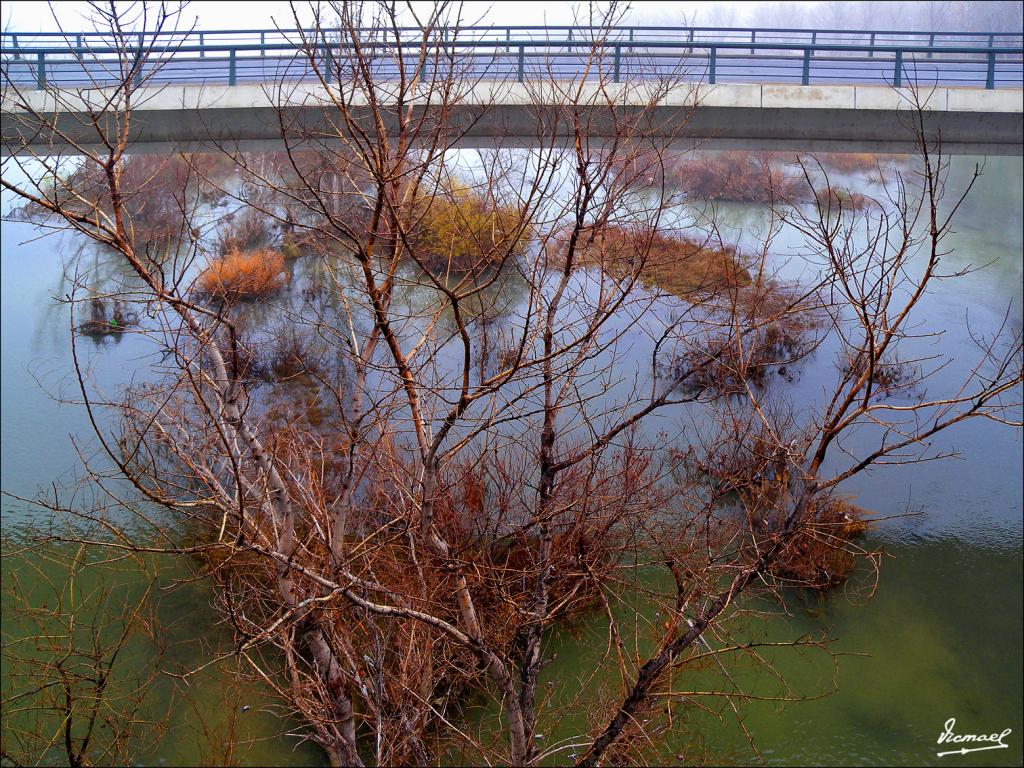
(711, 64)
(569, 47)
(138, 69)
(14, 42)
(78, 46)
(690, 48)
(897, 78)
(522, 63)
(508, 39)
(871, 44)
(618, 63)
(202, 45)
(263, 43)
(814, 40)
(631, 31)
(232, 67)
(990, 79)
(753, 39)
(806, 79)
(931, 43)
(40, 70)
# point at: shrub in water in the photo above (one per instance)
(244, 275)
(461, 231)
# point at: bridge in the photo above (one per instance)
(833, 90)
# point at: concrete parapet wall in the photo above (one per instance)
(753, 116)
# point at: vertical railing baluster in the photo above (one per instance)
(78, 47)
(990, 79)
(232, 68)
(202, 45)
(631, 30)
(806, 79)
(508, 40)
(263, 43)
(871, 44)
(931, 43)
(522, 63)
(897, 78)
(753, 39)
(14, 42)
(712, 57)
(814, 40)
(137, 77)
(40, 70)
(618, 63)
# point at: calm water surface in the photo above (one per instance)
(941, 638)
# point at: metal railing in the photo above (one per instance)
(571, 34)
(517, 52)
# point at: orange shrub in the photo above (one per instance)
(244, 274)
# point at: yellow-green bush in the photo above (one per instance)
(460, 230)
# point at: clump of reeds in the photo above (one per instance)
(245, 230)
(855, 162)
(720, 175)
(459, 230)
(823, 552)
(243, 275)
(289, 354)
(833, 199)
(888, 376)
(769, 327)
(102, 322)
(669, 261)
(755, 473)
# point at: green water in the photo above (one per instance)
(941, 638)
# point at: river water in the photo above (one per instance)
(940, 638)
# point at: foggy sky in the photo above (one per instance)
(926, 15)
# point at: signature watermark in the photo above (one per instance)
(983, 741)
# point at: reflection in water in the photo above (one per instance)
(942, 635)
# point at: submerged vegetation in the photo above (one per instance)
(782, 326)
(760, 177)
(107, 317)
(673, 262)
(244, 274)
